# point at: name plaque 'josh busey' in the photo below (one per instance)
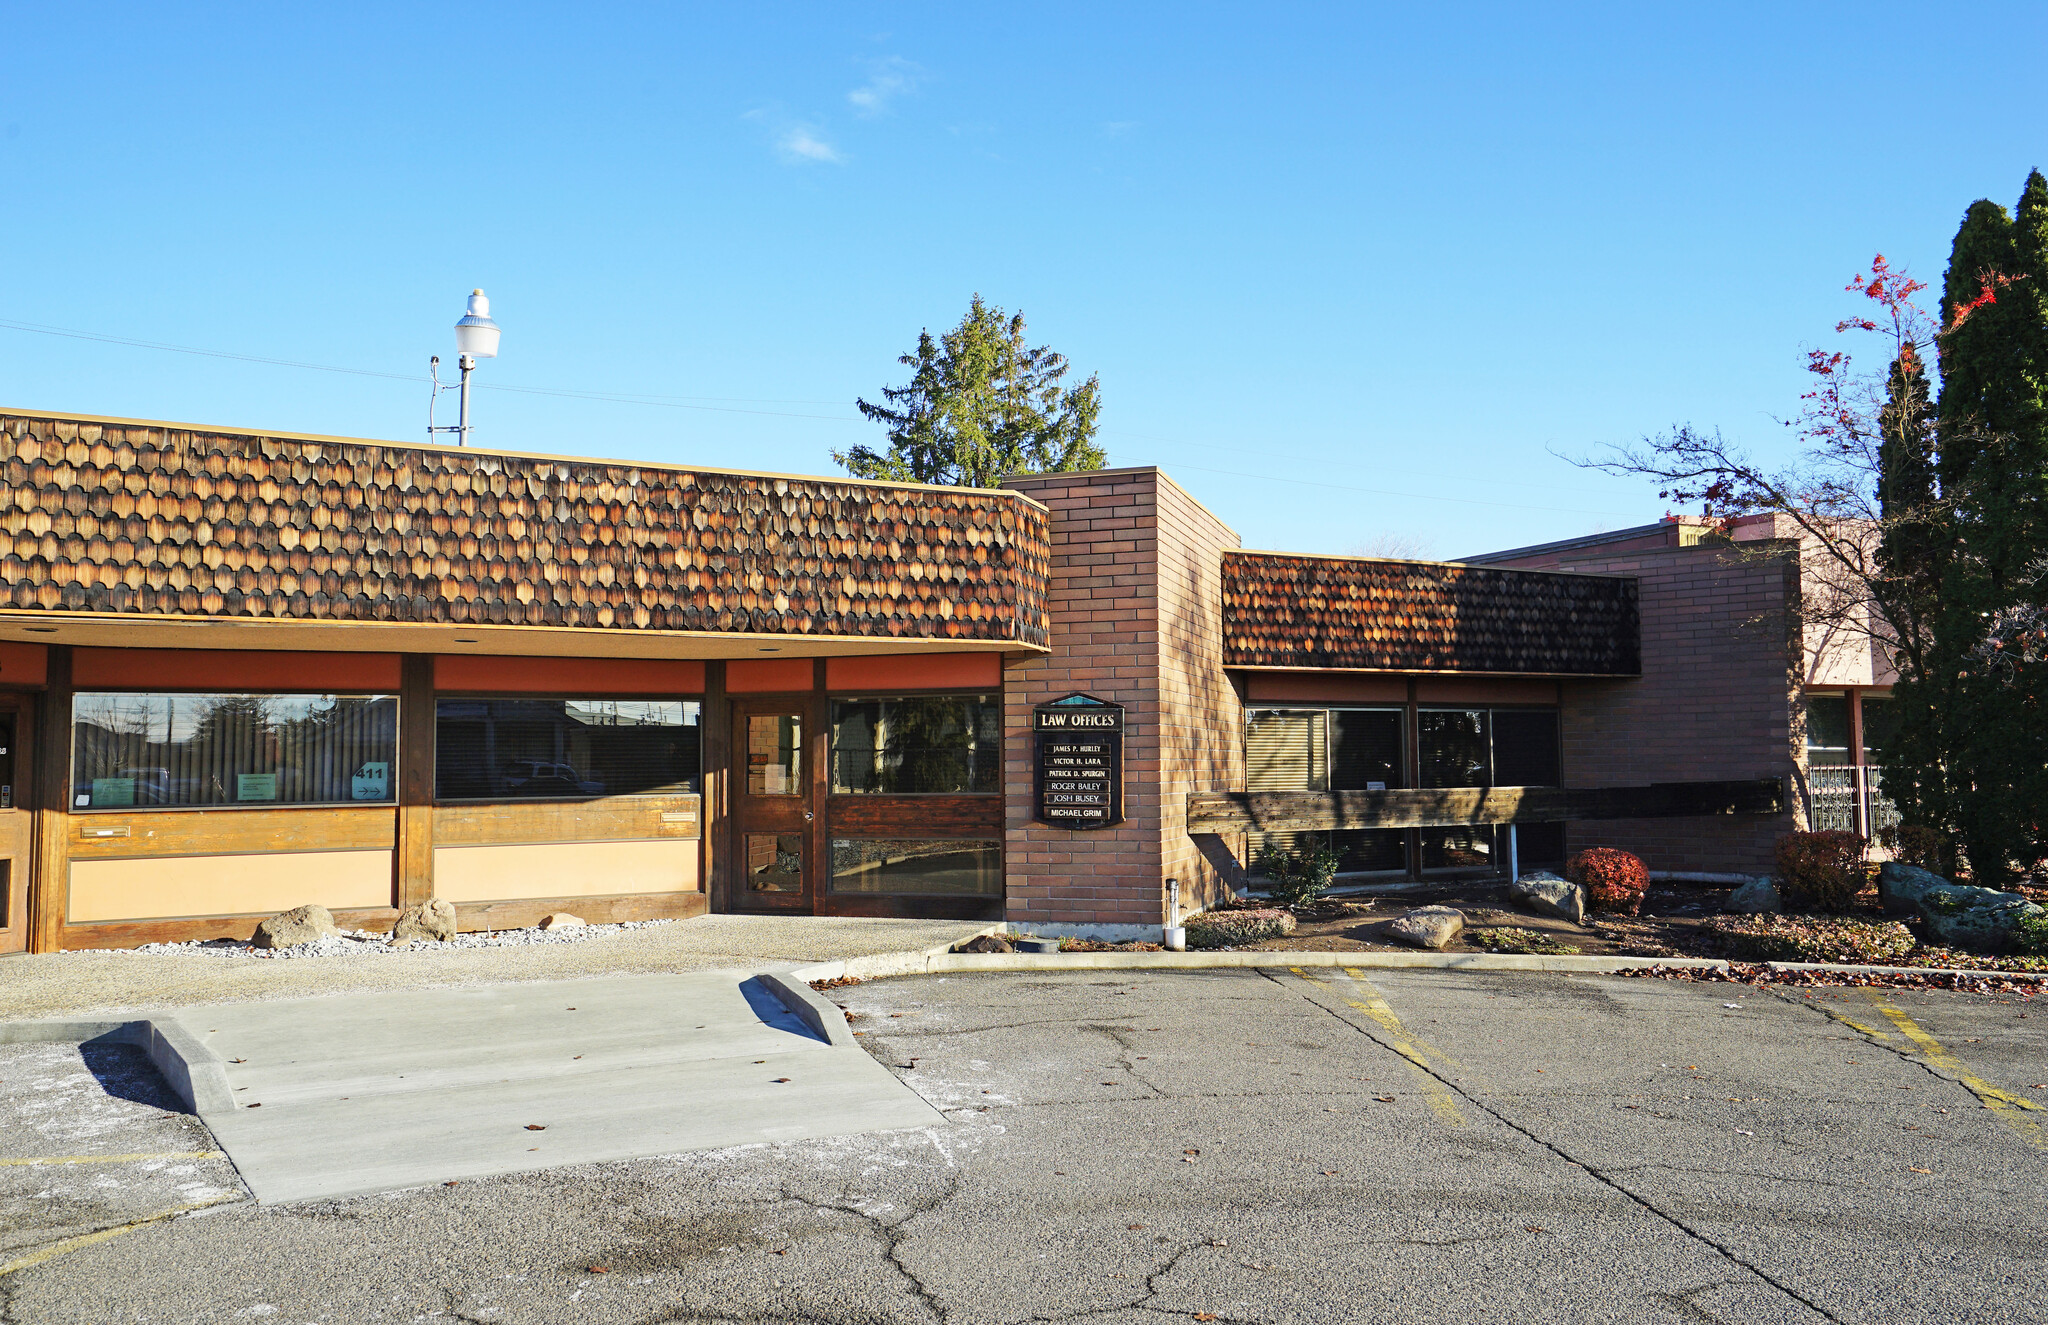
(1080, 762)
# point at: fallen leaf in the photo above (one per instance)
(449, 1183)
(1187, 1159)
(1219, 1242)
(256, 1106)
(1191, 1151)
(597, 1269)
(1911, 1169)
(536, 1127)
(238, 1060)
(577, 1056)
(1205, 1315)
(1329, 1173)
(1534, 1228)
(1384, 1099)
(1136, 1227)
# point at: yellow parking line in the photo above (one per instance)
(2007, 1107)
(1441, 1100)
(68, 1245)
(110, 1159)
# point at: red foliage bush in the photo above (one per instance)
(1820, 871)
(1614, 880)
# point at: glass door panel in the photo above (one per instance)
(773, 811)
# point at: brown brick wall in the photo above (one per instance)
(1715, 700)
(1135, 605)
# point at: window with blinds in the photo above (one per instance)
(1287, 750)
(1328, 750)
(137, 751)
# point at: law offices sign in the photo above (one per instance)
(1079, 761)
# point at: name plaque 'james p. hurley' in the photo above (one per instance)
(1079, 762)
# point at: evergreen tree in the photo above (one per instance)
(1993, 428)
(980, 404)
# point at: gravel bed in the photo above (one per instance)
(369, 943)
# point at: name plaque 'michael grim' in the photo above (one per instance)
(1080, 763)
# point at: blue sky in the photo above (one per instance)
(1351, 273)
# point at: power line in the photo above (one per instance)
(1386, 492)
(678, 402)
(662, 402)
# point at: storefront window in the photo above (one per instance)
(917, 745)
(934, 867)
(143, 751)
(1827, 730)
(564, 749)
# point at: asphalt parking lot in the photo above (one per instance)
(1229, 1146)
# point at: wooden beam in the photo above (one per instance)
(413, 863)
(1452, 807)
(50, 884)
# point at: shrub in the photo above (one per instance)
(1298, 878)
(1914, 844)
(1614, 880)
(1773, 938)
(1510, 939)
(2030, 935)
(1222, 929)
(1820, 871)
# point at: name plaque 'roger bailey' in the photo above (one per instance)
(1080, 762)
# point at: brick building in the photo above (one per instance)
(240, 672)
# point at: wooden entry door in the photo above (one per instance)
(16, 837)
(774, 805)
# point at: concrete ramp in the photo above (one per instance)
(360, 1093)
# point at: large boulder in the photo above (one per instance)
(1540, 890)
(1758, 897)
(1428, 926)
(301, 924)
(1977, 919)
(1899, 886)
(429, 920)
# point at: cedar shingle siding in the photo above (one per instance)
(138, 520)
(1347, 612)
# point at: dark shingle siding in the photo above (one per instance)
(142, 520)
(1352, 613)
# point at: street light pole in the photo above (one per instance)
(476, 337)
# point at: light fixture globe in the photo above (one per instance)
(476, 335)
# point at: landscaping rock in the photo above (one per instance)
(429, 920)
(1428, 926)
(301, 924)
(1978, 919)
(986, 943)
(1540, 890)
(1899, 886)
(1758, 897)
(561, 920)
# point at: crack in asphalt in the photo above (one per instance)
(1878, 1039)
(893, 1235)
(1596, 1174)
(1145, 1300)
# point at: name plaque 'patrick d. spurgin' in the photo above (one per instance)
(1080, 761)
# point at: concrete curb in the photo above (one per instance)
(816, 1011)
(886, 965)
(193, 1071)
(1839, 968)
(883, 966)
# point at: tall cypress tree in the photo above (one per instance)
(1993, 427)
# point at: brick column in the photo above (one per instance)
(1135, 604)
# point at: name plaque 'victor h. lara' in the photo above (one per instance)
(1080, 763)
